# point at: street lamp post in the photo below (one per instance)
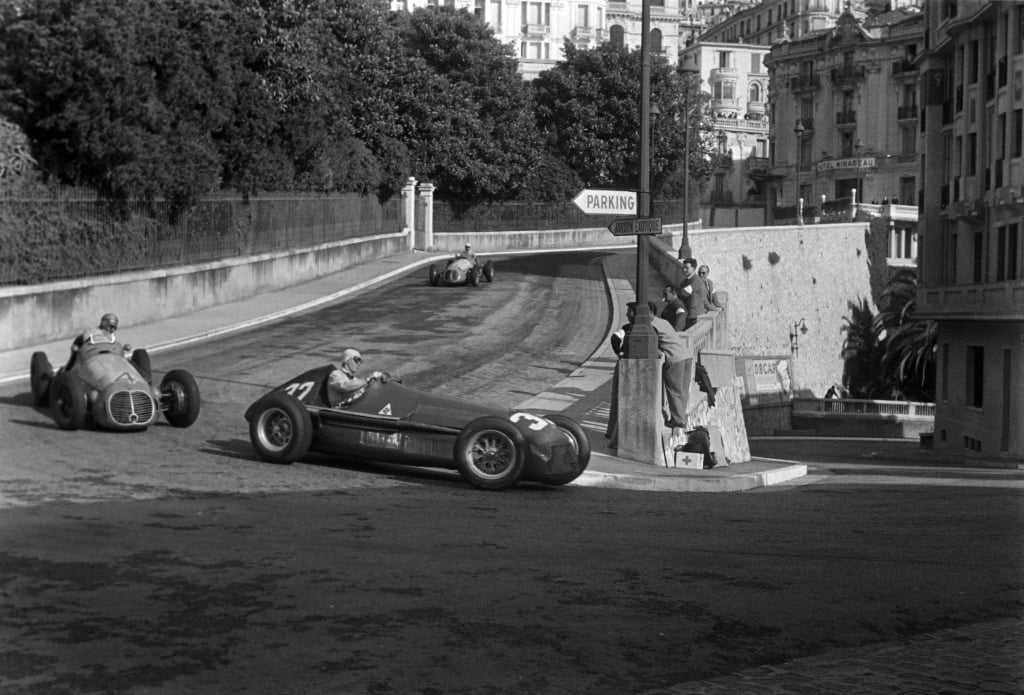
(799, 131)
(688, 67)
(858, 147)
(641, 341)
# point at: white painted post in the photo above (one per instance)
(426, 193)
(409, 211)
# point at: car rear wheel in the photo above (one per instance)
(40, 375)
(435, 275)
(491, 453)
(140, 358)
(489, 271)
(179, 397)
(281, 429)
(68, 401)
(580, 442)
(473, 279)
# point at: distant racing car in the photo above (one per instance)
(491, 448)
(112, 389)
(462, 271)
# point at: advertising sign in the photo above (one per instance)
(765, 379)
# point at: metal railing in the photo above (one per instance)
(859, 406)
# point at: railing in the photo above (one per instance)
(536, 29)
(859, 406)
(848, 73)
(906, 112)
(846, 117)
(905, 65)
(805, 82)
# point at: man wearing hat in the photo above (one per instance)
(105, 334)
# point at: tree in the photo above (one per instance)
(909, 357)
(862, 353)
(588, 108)
(470, 129)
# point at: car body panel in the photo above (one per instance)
(462, 271)
(397, 424)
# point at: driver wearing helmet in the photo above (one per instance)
(467, 253)
(104, 335)
(344, 386)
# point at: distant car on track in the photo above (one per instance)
(112, 389)
(490, 447)
(462, 271)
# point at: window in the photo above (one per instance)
(616, 36)
(755, 63)
(537, 13)
(725, 59)
(975, 373)
(655, 41)
(583, 16)
(907, 190)
(496, 14)
(1007, 241)
(972, 154)
(972, 63)
(944, 356)
(726, 89)
(908, 140)
(478, 9)
(978, 256)
(755, 93)
(1017, 134)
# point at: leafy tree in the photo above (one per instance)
(588, 109)
(471, 130)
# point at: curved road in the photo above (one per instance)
(497, 344)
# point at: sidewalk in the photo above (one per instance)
(584, 395)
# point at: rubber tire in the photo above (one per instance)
(281, 429)
(68, 401)
(582, 442)
(489, 271)
(180, 389)
(435, 275)
(140, 358)
(473, 279)
(41, 374)
(489, 432)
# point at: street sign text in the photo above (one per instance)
(598, 202)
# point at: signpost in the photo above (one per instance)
(639, 225)
(598, 202)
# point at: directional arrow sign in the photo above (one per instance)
(598, 202)
(638, 225)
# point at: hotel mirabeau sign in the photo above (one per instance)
(848, 163)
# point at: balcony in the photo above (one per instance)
(804, 82)
(990, 301)
(536, 29)
(906, 113)
(723, 73)
(587, 34)
(848, 74)
(903, 66)
(756, 164)
(848, 117)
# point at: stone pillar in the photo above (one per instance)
(426, 194)
(409, 211)
(639, 411)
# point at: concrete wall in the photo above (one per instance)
(40, 313)
(776, 276)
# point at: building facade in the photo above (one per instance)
(972, 211)
(736, 79)
(844, 112)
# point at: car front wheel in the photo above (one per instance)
(40, 375)
(67, 398)
(281, 429)
(491, 453)
(179, 396)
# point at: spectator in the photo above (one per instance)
(104, 335)
(674, 310)
(703, 272)
(694, 293)
(344, 386)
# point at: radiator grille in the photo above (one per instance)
(131, 408)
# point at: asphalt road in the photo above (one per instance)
(199, 569)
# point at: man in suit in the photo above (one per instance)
(694, 293)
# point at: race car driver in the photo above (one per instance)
(105, 334)
(344, 386)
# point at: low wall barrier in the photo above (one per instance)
(854, 417)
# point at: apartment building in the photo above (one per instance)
(770, 21)
(844, 111)
(972, 214)
(735, 77)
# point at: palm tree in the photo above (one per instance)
(909, 359)
(863, 349)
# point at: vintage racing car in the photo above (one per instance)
(462, 271)
(491, 448)
(113, 389)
